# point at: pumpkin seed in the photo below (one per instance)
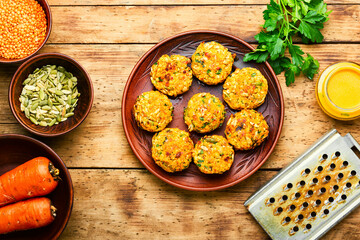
(58, 92)
(34, 120)
(43, 103)
(69, 114)
(52, 122)
(49, 95)
(42, 94)
(26, 81)
(43, 123)
(34, 106)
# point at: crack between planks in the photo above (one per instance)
(141, 169)
(185, 5)
(152, 43)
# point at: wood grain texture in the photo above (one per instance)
(174, 2)
(150, 24)
(100, 140)
(123, 204)
(114, 203)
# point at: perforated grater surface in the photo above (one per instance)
(312, 194)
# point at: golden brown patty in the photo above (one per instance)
(153, 111)
(171, 75)
(172, 149)
(246, 129)
(212, 63)
(204, 113)
(245, 88)
(213, 154)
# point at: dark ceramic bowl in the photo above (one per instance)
(44, 4)
(84, 87)
(16, 150)
(245, 162)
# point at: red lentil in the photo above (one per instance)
(22, 28)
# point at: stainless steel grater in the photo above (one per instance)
(312, 194)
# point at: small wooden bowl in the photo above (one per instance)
(85, 88)
(44, 4)
(18, 149)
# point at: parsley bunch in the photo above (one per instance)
(284, 20)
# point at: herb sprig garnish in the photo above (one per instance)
(284, 20)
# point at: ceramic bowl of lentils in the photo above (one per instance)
(28, 26)
(50, 94)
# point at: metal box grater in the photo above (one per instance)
(312, 194)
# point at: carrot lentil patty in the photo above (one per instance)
(245, 88)
(172, 149)
(213, 154)
(204, 113)
(22, 28)
(212, 63)
(153, 111)
(246, 129)
(171, 75)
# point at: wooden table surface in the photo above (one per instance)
(115, 196)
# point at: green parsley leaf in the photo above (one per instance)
(314, 17)
(280, 64)
(285, 19)
(278, 49)
(296, 54)
(266, 37)
(311, 31)
(310, 67)
(258, 56)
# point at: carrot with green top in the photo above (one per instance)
(34, 178)
(28, 214)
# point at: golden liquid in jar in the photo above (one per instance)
(344, 88)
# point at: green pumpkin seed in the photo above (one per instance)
(47, 108)
(49, 95)
(42, 94)
(58, 92)
(34, 120)
(67, 92)
(50, 102)
(69, 114)
(52, 122)
(34, 106)
(43, 103)
(43, 123)
(27, 112)
(26, 81)
(61, 69)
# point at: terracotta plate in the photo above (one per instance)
(246, 162)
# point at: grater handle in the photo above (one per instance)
(352, 143)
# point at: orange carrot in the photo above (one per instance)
(34, 178)
(29, 214)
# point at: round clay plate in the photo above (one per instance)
(245, 162)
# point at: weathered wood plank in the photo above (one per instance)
(122, 204)
(100, 140)
(177, 2)
(150, 24)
